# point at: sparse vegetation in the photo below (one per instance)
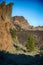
(18, 27)
(13, 33)
(30, 43)
(41, 52)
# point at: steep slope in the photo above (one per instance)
(23, 36)
(21, 21)
(6, 42)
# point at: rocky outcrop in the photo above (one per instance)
(6, 42)
(5, 11)
(21, 21)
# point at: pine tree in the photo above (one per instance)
(30, 43)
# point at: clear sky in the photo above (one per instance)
(32, 10)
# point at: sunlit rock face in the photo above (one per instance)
(6, 42)
(5, 11)
(21, 21)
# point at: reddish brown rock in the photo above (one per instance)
(21, 21)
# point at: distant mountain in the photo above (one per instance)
(39, 27)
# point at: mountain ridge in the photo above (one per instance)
(23, 23)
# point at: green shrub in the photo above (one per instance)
(41, 52)
(30, 43)
(18, 27)
(13, 33)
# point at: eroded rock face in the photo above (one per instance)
(6, 42)
(21, 21)
(5, 11)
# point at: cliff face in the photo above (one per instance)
(5, 11)
(6, 42)
(21, 21)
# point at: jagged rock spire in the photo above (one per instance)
(5, 11)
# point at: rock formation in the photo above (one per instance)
(6, 42)
(7, 22)
(26, 28)
(5, 11)
(21, 21)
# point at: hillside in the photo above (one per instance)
(21, 22)
(22, 36)
(25, 29)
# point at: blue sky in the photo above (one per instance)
(32, 10)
